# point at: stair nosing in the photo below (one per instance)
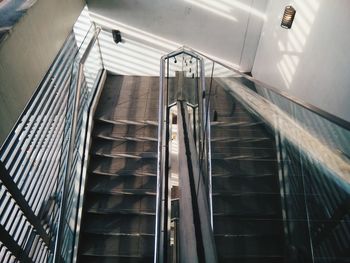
(141, 256)
(127, 122)
(101, 233)
(126, 138)
(119, 211)
(123, 156)
(130, 192)
(140, 174)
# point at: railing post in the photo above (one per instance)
(159, 237)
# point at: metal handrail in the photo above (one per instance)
(73, 130)
(87, 144)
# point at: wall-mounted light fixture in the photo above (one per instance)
(117, 37)
(288, 17)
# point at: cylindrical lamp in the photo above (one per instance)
(288, 17)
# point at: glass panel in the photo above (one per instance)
(296, 161)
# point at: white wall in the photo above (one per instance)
(311, 61)
(226, 29)
(27, 53)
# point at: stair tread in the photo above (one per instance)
(252, 259)
(87, 253)
(132, 184)
(121, 202)
(262, 184)
(228, 225)
(242, 175)
(124, 173)
(243, 245)
(119, 211)
(130, 191)
(110, 233)
(124, 146)
(247, 204)
(123, 165)
(229, 193)
(126, 223)
(121, 137)
(113, 131)
(98, 244)
(126, 121)
(91, 258)
(136, 155)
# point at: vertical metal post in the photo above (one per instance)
(159, 241)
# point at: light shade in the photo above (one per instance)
(288, 17)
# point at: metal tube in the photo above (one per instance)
(158, 257)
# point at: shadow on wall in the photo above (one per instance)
(208, 25)
(292, 44)
(140, 52)
(311, 60)
(224, 8)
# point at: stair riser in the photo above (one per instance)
(115, 203)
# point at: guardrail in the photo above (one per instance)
(41, 155)
(30, 160)
(76, 111)
(201, 135)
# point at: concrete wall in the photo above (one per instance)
(226, 29)
(310, 61)
(28, 52)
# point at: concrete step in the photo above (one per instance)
(244, 166)
(116, 259)
(123, 165)
(124, 147)
(246, 246)
(110, 184)
(227, 225)
(262, 205)
(242, 184)
(120, 223)
(117, 245)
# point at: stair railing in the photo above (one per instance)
(30, 160)
(202, 137)
(74, 161)
(313, 156)
(196, 244)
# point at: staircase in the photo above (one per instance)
(120, 197)
(246, 194)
